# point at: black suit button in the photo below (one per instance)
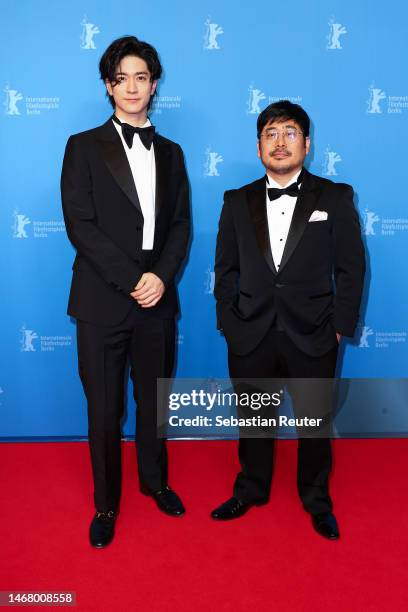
(137, 261)
(138, 229)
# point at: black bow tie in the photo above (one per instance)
(292, 190)
(128, 131)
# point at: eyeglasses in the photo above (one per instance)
(289, 133)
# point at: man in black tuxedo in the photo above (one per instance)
(283, 241)
(126, 206)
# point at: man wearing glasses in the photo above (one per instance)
(283, 242)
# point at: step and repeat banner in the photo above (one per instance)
(345, 63)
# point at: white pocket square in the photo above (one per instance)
(318, 215)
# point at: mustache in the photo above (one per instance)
(275, 151)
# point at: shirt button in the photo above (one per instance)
(280, 239)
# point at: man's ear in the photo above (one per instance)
(109, 87)
(153, 87)
(307, 144)
(258, 149)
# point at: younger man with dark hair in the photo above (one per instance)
(126, 207)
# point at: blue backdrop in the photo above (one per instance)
(224, 62)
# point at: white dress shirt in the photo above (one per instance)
(279, 213)
(143, 167)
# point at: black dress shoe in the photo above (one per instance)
(102, 529)
(326, 525)
(233, 508)
(167, 500)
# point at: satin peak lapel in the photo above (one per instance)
(257, 208)
(114, 155)
(306, 203)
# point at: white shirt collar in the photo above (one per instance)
(146, 124)
(270, 182)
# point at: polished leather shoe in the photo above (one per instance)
(233, 508)
(326, 525)
(102, 529)
(167, 500)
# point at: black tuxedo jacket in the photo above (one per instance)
(104, 222)
(251, 293)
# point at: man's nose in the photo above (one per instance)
(132, 84)
(281, 141)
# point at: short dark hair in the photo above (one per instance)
(280, 111)
(122, 47)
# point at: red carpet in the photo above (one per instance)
(270, 559)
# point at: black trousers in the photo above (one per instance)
(275, 357)
(148, 344)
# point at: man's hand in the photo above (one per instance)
(148, 290)
(338, 336)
